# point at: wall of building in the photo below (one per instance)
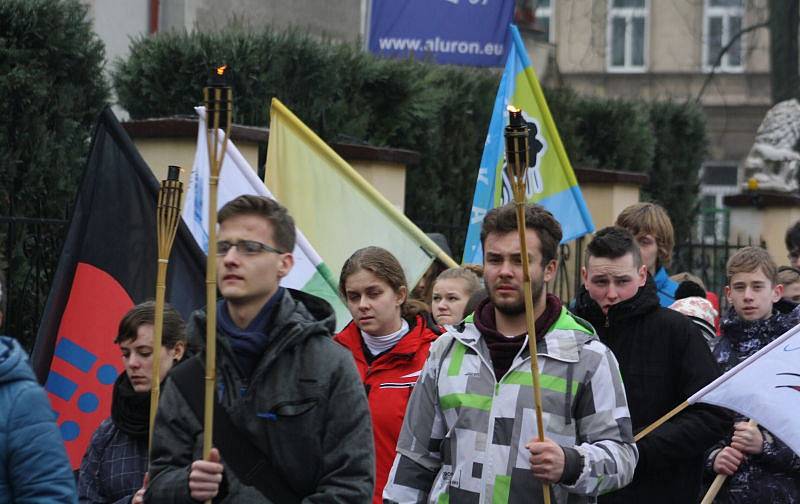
(769, 224)
(116, 22)
(735, 103)
(606, 201)
(337, 19)
(388, 177)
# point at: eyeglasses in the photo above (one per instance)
(245, 247)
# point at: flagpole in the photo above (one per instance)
(168, 214)
(655, 425)
(517, 156)
(716, 486)
(218, 100)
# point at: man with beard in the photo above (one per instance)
(469, 433)
(663, 359)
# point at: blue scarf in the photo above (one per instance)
(249, 343)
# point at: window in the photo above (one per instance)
(627, 35)
(722, 21)
(544, 14)
(717, 180)
(535, 15)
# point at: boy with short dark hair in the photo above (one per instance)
(663, 359)
(761, 468)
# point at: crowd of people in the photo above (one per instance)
(426, 396)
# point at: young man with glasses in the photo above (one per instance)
(296, 419)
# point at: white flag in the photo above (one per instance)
(309, 274)
(765, 387)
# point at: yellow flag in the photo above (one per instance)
(337, 209)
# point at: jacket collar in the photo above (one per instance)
(562, 341)
(642, 303)
(298, 317)
(418, 335)
(748, 336)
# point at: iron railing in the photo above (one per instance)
(32, 248)
(707, 259)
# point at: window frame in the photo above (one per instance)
(628, 13)
(718, 192)
(725, 13)
(548, 12)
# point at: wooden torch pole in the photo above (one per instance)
(517, 156)
(168, 214)
(218, 98)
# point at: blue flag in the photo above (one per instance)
(551, 180)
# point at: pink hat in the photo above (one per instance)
(696, 307)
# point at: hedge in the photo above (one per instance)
(442, 112)
(53, 87)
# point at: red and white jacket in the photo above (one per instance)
(389, 381)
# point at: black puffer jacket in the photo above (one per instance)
(305, 406)
(663, 359)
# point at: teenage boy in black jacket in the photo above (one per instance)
(663, 360)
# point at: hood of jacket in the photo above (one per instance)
(643, 302)
(13, 362)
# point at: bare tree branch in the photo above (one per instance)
(722, 52)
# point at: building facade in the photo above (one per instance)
(712, 52)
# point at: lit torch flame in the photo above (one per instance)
(221, 70)
(513, 109)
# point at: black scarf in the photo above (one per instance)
(130, 410)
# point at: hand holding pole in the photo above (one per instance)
(716, 486)
(517, 138)
(218, 100)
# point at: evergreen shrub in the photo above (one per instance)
(53, 87)
(442, 112)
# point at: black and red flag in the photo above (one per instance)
(108, 264)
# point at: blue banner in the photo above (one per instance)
(458, 32)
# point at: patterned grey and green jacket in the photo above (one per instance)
(464, 435)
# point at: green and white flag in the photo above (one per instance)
(309, 274)
(339, 210)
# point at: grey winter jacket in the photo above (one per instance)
(465, 430)
(304, 406)
(33, 462)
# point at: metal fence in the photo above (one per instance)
(707, 258)
(31, 251)
(568, 275)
